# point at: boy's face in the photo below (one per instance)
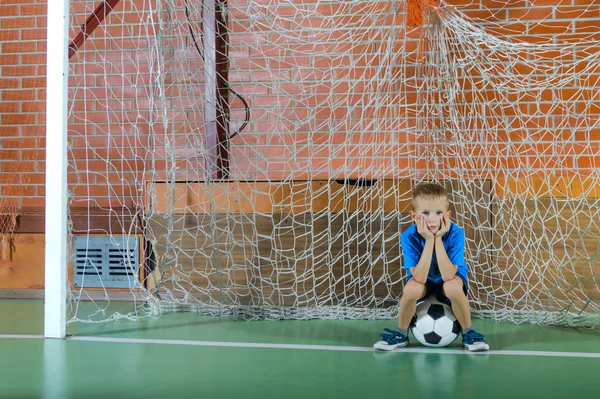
(433, 209)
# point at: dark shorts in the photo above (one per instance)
(432, 288)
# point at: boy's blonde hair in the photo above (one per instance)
(429, 190)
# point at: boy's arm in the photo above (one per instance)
(447, 269)
(421, 270)
(446, 265)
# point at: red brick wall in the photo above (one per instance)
(111, 119)
(22, 101)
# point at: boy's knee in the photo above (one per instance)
(414, 290)
(453, 288)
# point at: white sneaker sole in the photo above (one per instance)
(384, 346)
(477, 347)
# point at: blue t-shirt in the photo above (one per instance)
(454, 242)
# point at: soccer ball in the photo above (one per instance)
(435, 323)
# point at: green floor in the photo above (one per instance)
(37, 368)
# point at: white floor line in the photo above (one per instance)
(314, 347)
(20, 336)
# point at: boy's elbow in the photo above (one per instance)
(420, 280)
(448, 277)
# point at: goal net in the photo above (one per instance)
(332, 112)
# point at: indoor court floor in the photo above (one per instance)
(184, 355)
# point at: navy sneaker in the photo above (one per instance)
(390, 340)
(474, 342)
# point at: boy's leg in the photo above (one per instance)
(455, 290)
(413, 291)
(391, 340)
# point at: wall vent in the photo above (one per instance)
(109, 262)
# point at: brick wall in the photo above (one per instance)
(118, 140)
(22, 101)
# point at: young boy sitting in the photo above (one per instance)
(433, 250)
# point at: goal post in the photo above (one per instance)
(56, 232)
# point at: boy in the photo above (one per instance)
(433, 250)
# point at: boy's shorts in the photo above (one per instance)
(433, 288)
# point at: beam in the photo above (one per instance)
(55, 304)
(91, 23)
(291, 197)
(216, 91)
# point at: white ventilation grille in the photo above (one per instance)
(109, 262)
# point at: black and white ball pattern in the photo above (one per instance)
(435, 323)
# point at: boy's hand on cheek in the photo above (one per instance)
(423, 228)
(444, 225)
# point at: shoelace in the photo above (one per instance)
(474, 336)
(389, 335)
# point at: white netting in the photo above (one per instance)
(348, 109)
